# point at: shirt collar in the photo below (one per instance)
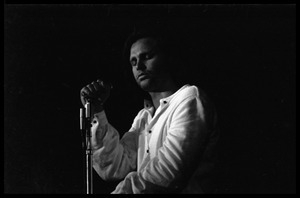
(149, 105)
(169, 98)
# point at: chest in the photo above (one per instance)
(154, 132)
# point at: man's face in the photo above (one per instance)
(148, 64)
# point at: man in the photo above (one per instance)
(170, 146)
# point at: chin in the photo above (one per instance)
(146, 85)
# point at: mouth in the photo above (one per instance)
(142, 76)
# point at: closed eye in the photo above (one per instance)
(142, 57)
(133, 61)
(148, 56)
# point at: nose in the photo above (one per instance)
(140, 65)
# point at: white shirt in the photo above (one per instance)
(158, 154)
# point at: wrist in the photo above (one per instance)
(97, 109)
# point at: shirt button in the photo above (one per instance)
(147, 151)
(165, 102)
(150, 131)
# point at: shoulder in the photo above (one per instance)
(189, 92)
(191, 98)
(187, 99)
(194, 97)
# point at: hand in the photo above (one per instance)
(97, 92)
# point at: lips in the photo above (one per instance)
(142, 76)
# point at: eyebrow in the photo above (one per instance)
(143, 53)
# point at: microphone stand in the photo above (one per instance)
(85, 127)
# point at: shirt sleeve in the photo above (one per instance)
(113, 158)
(182, 149)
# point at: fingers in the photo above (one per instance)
(91, 88)
(107, 85)
(101, 82)
(96, 91)
(98, 86)
(85, 91)
(95, 88)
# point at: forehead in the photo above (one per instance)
(143, 44)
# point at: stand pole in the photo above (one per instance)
(85, 126)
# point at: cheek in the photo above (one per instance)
(134, 72)
(156, 66)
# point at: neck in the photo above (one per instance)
(169, 88)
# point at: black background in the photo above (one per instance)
(243, 56)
